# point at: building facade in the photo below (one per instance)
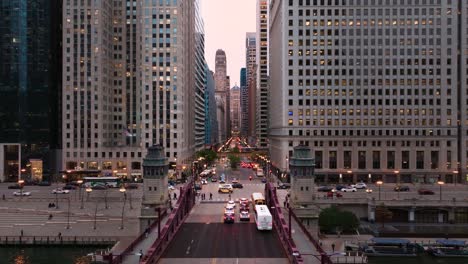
(235, 108)
(211, 122)
(374, 89)
(129, 82)
(223, 114)
(244, 97)
(29, 87)
(250, 64)
(200, 81)
(262, 89)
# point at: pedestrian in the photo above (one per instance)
(211, 196)
(333, 247)
(59, 234)
(50, 216)
(229, 197)
(3, 197)
(141, 254)
(22, 232)
(175, 196)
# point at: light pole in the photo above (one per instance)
(122, 190)
(105, 198)
(68, 214)
(398, 184)
(88, 191)
(440, 190)
(20, 183)
(379, 183)
(80, 195)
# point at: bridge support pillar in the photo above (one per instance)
(440, 217)
(451, 215)
(371, 213)
(411, 214)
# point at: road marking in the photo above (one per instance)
(5, 226)
(29, 224)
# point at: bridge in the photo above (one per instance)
(194, 230)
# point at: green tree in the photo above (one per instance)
(234, 160)
(235, 149)
(209, 155)
(333, 220)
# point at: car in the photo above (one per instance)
(244, 201)
(264, 180)
(244, 207)
(339, 187)
(60, 191)
(244, 215)
(324, 189)
(22, 193)
(14, 186)
(359, 185)
(44, 183)
(237, 185)
(69, 187)
(214, 179)
(425, 192)
(99, 187)
(131, 186)
(235, 180)
(170, 188)
(204, 182)
(336, 194)
(229, 218)
(222, 180)
(197, 187)
(231, 203)
(224, 190)
(401, 189)
(284, 186)
(349, 189)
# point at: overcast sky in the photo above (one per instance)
(226, 22)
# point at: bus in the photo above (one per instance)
(263, 218)
(112, 182)
(258, 199)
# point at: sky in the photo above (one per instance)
(226, 22)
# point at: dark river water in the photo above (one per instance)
(417, 260)
(45, 255)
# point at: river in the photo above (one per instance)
(45, 255)
(418, 260)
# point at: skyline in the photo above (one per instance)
(219, 23)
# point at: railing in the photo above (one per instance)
(117, 259)
(57, 240)
(280, 225)
(176, 219)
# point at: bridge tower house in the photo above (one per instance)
(301, 169)
(155, 183)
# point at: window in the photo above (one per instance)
(420, 160)
(347, 159)
(390, 159)
(332, 160)
(376, 159)
(361, 159)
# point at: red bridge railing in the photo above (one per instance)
(176, 219)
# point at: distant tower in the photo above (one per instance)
(155, 194)
(301, 168)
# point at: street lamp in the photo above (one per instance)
(370, 178)
(440, 186)
(80, 196)
(20, 183)
(88, 191)
(398, 193)
(379, 183)
(122, 190)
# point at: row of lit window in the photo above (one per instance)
(329, 3)
(331, 80)
(370, 22)
(372, 112)
(379, 143)
(350, 92)
(366, 122)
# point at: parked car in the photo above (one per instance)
(44, 183)
(22, 193)
(324, 189)
(284, 186)
(359, 185)
(349, 189)
(14, 186)
(401, 189)
(237, 185)
(339, 187)
(60, 191)
(425, 192)
(244, 216)
(336, 194)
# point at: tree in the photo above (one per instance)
(234, 161)
(235, 149)
(333, 220)
(383, 214)
(209, 155)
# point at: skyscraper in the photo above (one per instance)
(131, 75)
(250, 64)
(221, 94)
(244, 104)
(29, 88)
(377, 88)
(235, 108)
(262, 50)
(211, 123)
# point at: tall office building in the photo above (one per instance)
(29, 88)
(228, 107)
(235, 108)
(200, 82)
(244, 105)
(250, 64)
(211, 122)
(376, 88)
(221, 94)
(262, 100)
(130, 77)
